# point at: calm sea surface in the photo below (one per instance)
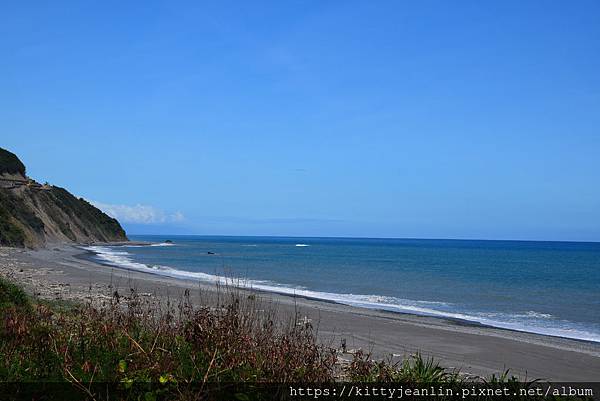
(542, 287)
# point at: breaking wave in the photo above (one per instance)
(146, 245)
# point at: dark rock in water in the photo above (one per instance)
(168, 241)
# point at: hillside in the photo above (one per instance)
(35, 215)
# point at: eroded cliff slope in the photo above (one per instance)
(35, 215)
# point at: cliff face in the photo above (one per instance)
(35, 215)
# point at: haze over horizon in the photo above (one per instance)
(353, 119)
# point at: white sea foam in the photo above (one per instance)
(116, 257)
(146, 245)
(530, 321)
(535, 314)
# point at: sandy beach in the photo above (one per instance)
(67, 273)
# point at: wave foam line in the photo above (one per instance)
(525, 322)
(143, 246)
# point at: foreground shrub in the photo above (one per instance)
(12, 296)
(137, 348)
(130, 341)
(415, 370)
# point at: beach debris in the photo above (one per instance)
(305, 321)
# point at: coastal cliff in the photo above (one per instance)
(35, 215)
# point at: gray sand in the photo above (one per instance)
(62, 273)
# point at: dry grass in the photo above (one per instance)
(135, 340)
(149, 349)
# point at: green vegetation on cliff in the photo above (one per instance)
(33, 215)
(10, 163)
(14, 215)
(100, 221)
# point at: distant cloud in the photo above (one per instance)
(141, 214)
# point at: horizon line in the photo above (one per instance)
(367, 238)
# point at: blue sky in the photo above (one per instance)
(320, 118)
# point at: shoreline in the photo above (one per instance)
(96, 255)
(88, 255)
(68, 272)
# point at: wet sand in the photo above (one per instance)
(64, 272)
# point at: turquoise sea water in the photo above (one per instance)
(543, 287)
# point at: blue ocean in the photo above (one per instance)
(548, 288)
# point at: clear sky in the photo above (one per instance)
(449, 119)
